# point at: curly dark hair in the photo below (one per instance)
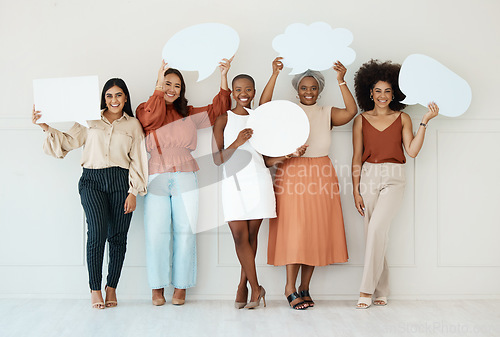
(181, 103)
(369, 74)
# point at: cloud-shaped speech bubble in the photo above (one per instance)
(423, 80)
(201, 48)
(324, 46)
(56, 97)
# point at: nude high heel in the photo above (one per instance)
(253, 305)
(161, 300)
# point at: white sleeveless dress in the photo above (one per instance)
(247, 186)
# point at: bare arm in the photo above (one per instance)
(220, 154)
(345, 115)
(271, 161)
(357, 153)
(267, 93)
(413, 144)
(224, 66)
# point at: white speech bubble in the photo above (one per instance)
(279, 128)
(201, 48)
(67, 99)
(314, 47)
(423, 80)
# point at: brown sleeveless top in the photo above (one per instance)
(383, 146)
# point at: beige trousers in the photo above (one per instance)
(382, 187)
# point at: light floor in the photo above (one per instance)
(34, 317)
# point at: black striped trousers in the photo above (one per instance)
(103, 193)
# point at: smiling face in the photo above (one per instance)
(382, 94)
(115, 99)
(308, 91)
(243, 92)
(172, 88)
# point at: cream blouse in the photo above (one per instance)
(106, 144)
(320, 136)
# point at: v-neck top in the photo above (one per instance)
(384, 146)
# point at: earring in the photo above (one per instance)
(371, 97)
(393, 97)
(297, 96)
(319, 96)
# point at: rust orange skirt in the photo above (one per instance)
(309, 228)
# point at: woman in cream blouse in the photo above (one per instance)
(114, 164)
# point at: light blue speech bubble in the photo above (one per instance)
(201, 48)
(316, 46)
(423, 80)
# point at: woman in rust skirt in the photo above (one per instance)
(309, 228)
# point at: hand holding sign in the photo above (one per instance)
(324, 46)
(423, 80)
(201, 48)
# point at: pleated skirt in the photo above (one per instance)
(309, 227)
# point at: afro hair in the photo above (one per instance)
(369, 74)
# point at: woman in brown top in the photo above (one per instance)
(378, 177)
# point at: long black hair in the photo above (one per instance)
(127, 108)
(181, 103)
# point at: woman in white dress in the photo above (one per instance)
(247, 188)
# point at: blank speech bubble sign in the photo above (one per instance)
(279, 128)
(316, 46)
(423, 80)
(67, 99)
(201, 47)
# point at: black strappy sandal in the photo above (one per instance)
(292, 297)
(305, 293)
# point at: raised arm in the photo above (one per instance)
(224, 66)
(206, 116)
(413, 144)
(152, 114)
(267, 93)
(343, 116)
(58, 143)
(357, 154)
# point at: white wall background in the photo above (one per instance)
(444, 242)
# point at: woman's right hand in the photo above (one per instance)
(277, 65)
(243, 136)
(160, 82)
(36, 116)
(360, 205)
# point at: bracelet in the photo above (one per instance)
(159, 87)
(424, 125)
(343, 83)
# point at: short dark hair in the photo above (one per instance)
(181, 103)
(369, 74)
(127, 108)
(243, 76)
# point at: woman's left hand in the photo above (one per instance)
(130, 203)
(341, 70)
(300, 151)
(431, 113)
(224, 65)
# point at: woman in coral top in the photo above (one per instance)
(378, 173)
(171, 209)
